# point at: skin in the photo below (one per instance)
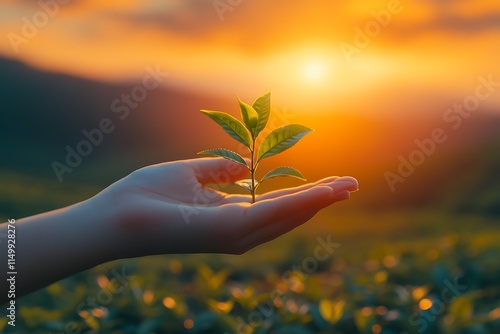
(161, 209)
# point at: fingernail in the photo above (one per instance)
(347, 183)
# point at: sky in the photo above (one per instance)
(316, 54)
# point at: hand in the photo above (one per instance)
(167, 208)
(161, 209)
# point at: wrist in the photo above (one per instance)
(60, 243)
(101, 228)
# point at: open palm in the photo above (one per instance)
(166, 208)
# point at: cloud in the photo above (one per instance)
(465, 24)
(462, 16)
(188, 17)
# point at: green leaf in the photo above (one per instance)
(281, 139)
(205, 272)
(262, 106)
(462, 307)
(227, 154)
(330, 310)
(245, 184)
(231, 125)
(249, 116)
(283, 171)
(364, 320)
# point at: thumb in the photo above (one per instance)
(217, 170)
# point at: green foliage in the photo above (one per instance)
(345, 294)
(331, 310)
(284, 171)
(462, 307)
(255, 118)
(227, 154)
(231, 125)
(249, 116)
(262, 106)
(281, 139)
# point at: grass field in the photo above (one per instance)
(415, 271)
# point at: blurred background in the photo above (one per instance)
(375, 80)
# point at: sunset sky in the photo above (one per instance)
(295, 48)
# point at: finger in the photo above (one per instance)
(344, 183)
(269, 211)
(274, 194)
(289, 191)
(338, 184)
(276, 229)
(216, 170)
(335, 182)
(228, 199)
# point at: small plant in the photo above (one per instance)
(255, 119)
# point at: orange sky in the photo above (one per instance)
(292, 47)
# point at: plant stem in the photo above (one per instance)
(252, 170)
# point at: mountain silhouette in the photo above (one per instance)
(42, 113)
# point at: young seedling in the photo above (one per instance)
(255, 119)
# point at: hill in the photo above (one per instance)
(44, 113)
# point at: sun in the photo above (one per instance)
(314, 71)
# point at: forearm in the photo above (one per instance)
(57, 244)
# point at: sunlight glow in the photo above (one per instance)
(314, 71)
